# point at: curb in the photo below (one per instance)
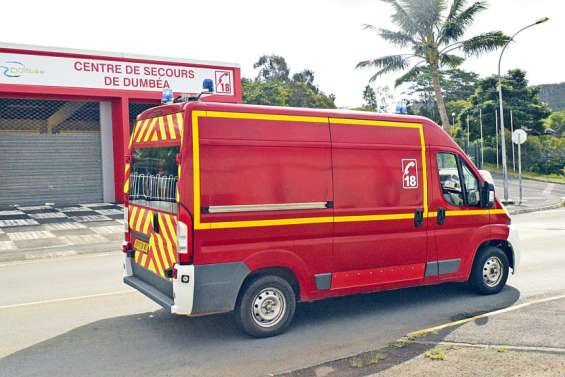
(58, 251)
(519, 211)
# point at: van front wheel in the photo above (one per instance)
(266, 306)
(490, 271)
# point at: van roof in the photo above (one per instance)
(434, 134)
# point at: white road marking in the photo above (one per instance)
(56, 300)
(489, 314)
(32, 235)
(482, 345)
(548, 189)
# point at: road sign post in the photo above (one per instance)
(519, 137)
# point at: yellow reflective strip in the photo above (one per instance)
(424, 170)
(141, 131)
(148, 220)
(172, 230)
(162, 128)
(132, 136)
(467, 212)
(155, 137)
(196, 167)
(381, 123)
(136, 257)
(150, 129)
(170, 127)
(139, 218)
(167, 240)
(398, 216)
(132, 216)
(257, 223)
(126, 167)
(126, 186)
(180, 125)
(284, 118)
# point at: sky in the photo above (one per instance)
(324, 36)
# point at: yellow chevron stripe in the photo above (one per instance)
(126, 186)
(162, 128)
(149, 132)
(152, 266)
(139, 219)
(135, 129)
(132, 216)
(126, 168)
(155, 258)
(170, 249)
(160, 248)
(148, 220)
(171, 127)
(139, 134)
(180, 124)
(172, 231)
(143, 259)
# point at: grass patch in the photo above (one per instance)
(435, 354)
(401, 343)
(552, 178)
(375, 358)
(356, 363)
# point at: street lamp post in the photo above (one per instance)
(502, 137)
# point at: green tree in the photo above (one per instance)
(274, 86)
(556, 123)
(370, 99)
(456, 84)
(528, 111)
(434, 31)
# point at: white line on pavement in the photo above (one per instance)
(489, 314)
(482, 345)
(66, 299)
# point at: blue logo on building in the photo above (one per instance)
(13, 69)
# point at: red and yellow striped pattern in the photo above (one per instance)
(126, 177)
(164, 128)
(162, 252)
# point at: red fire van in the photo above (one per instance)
(251, 209)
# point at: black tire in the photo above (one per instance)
(482, 276)
(272, 288)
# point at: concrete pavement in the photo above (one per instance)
(73, 316)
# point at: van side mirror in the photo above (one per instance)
(487, 195)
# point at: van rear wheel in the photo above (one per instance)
(490, 271)
(265, 307)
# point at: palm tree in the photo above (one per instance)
(434, 32)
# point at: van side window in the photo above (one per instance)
(449, 179)
(471, 182)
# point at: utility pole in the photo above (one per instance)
(500, 102)
(496, 134)
(468, 145)
(511, 132)
(482, 144)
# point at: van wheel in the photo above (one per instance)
(265, 307)
(490, 271)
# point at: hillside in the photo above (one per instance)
(553, 95)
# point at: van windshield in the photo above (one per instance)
(154, 178)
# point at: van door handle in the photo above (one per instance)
(419, 217)
(441, 216)
(155, 222)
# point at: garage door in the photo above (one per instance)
(49, 152)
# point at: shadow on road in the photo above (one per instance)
(159, 344)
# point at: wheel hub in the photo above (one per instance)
(268, 307)
(492, 271)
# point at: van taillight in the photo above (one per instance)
(184, 236)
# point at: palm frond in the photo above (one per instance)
(425, 13)
(455, 8)
(485, 42)
(397, 38)
(455, 26)
(452, 61)
(402, 18)
(409, 76)
(397, 62)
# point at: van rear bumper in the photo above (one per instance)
(197, 289)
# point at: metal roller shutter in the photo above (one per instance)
(62, 166)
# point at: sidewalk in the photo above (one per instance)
(47, 231)
(526, 340)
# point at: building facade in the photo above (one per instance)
(66, 117)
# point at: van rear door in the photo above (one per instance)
(152, 192)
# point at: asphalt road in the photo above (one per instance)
(74, 317)
(534, 193)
